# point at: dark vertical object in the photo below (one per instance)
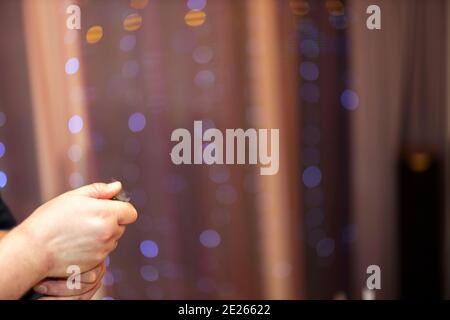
(421, 221)
(327, 274)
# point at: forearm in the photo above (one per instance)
(21, 265)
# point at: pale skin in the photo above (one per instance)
(80, 227)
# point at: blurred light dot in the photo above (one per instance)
(75, 153)
(130, 69)
(149, 248)
(127, 43)
(226, 194)
(349, 100)
(94, 34)
(3, 179)
(219, 174)
(72, 65)
(75, 124)
(2, 119)
(149, 273)
(210, 238)
(310, 92)
(202, 55)
(76, 180)
(311, 156)
(108, 279)
(205, 79)
(195, 18)
(309, 71)
(335, 7)
(311, 135)
(132, 22)
(137, 122)
(2, 149)
(325, 247)
(339, 21)
(312, 177)
(309, 48)
(138, 4)
(196, 4)
(299, 7)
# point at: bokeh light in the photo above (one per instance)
(325, 247)
(94, 34)
(74, 153)
(138, 4)
(132, 22)
(130, 69)
(76, 180)
(299, 7)
(72, 66)
(195, 18)
(75, 124)
(312, 176)
(149, 273)
(349, 100)
(196, 4)
(3, 179)
(202, 55)
(127, 43)
(210, 238)
(149, 248)
(136, 122)
(205, 79)
(309, 48)
(335, 7)
(309, 71)
(2, 149)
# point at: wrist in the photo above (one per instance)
(32, 250)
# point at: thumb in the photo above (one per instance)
(98, 190)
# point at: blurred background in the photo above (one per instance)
(364, 135)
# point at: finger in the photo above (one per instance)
(98, 190)
(59, 288)
(119, 233)
(85, 296)
(93, 275)
(124, 212)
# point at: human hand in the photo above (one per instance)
(80, 227)
(57, 289)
